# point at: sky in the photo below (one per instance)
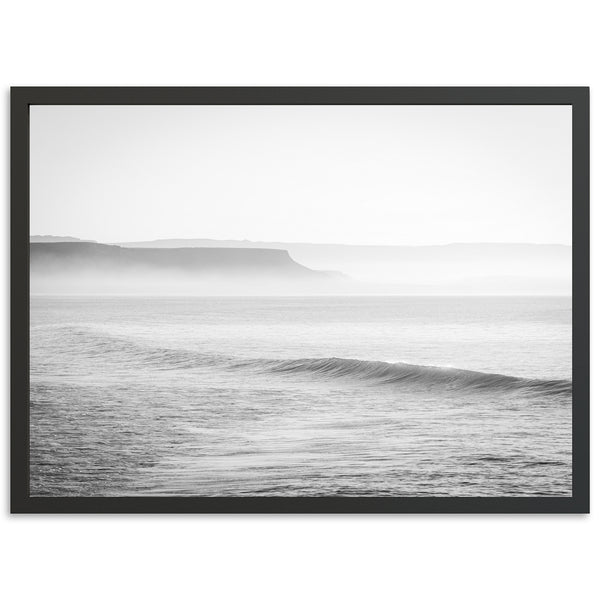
(390, 175)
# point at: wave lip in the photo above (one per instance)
(380, 372)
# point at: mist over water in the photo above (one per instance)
(240, 268)
(301, 396)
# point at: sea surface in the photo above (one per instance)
(283, 396)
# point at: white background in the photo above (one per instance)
(297, 43)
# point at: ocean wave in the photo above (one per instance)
(380, 372)
(98, 344)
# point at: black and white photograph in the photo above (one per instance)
(300, 301)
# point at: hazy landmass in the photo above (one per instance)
(242, 266)
(485, 268)
(91, 267)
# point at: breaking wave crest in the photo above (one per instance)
(399, 373)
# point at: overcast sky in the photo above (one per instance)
(344, 174)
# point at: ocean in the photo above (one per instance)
(290, 396)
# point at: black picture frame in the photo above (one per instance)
(23, 97)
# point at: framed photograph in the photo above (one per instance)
(320, 300)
